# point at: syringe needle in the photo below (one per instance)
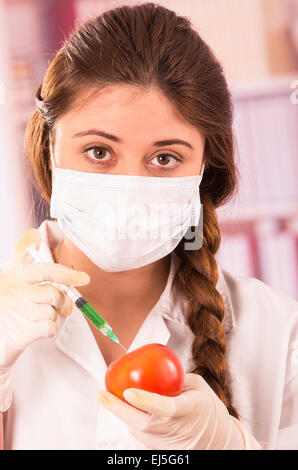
(96, 319)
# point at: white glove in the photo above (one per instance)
(196, 419)
(29, 312)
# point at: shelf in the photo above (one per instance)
(271, 86)
(256, 213)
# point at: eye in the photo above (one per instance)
(163, 160)
(97, 153)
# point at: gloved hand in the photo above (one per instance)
(195, 419)
(29, 312)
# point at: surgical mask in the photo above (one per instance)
(124, 222)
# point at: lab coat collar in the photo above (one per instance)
(76, 339)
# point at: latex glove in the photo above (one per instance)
(195, 419)
(29, 312)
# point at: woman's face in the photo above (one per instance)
(123, 130)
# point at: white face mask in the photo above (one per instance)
(124, 222)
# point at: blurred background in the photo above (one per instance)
(257, 44)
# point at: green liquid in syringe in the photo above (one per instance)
(97, 319)
(92, 314)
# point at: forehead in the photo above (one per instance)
(123, 108)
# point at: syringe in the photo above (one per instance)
(98, 321)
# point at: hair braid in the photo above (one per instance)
(197, 276)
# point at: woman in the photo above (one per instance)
(135, 108)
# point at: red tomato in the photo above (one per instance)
(153, 367)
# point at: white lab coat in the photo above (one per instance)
(56, 380)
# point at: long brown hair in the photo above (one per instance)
(150, 45)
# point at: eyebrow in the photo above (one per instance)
(160, 143)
